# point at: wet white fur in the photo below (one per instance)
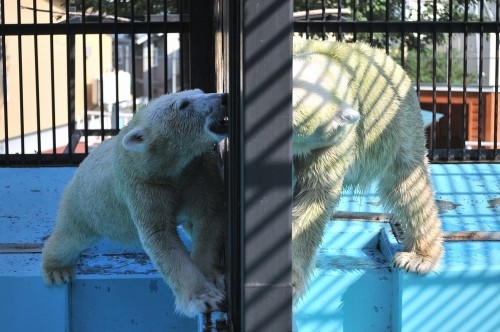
(135, 187)
(334, 149)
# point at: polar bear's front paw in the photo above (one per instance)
(413, 262)
(193, 304)
(57, 275)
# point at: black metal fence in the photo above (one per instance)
(449, 48)
(73, 72)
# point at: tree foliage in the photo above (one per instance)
(442, 71)
(408, 47)
(401, 10)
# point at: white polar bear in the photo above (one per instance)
(160, 170)
(357, 119)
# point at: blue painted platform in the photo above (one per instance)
(116, 288)
(354, 287)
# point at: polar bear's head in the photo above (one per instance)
(323, 106)
(321, 123)
(177, 127)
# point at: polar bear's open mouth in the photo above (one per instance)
(220, 127)
(218, 122)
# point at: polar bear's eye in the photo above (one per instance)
(184, 104)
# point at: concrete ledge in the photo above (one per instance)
(116, 288)
(354, 287)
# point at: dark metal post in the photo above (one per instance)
(71, 93)
(260, 178)
(202, 40)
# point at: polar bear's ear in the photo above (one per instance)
(348, 114)
(197, 91)
(135, 140)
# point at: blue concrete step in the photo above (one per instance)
(111, 293)
(465, 294)
(351, 277)
(355, 288)
(116, 288)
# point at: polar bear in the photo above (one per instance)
(160, 170)
(357, 119)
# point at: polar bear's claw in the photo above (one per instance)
(413, 262)
(209, 300)
(58, 276)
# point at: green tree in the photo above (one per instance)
(442, 67)
(409, 49)
(400, 10)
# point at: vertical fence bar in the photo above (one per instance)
(323, 10)
(418, 46)
(370, 18)
(52, 78)
(180, 11)
(21, 94)
(185, 46)
(465, 110)
(402, 33)
(387, 19)
(37, 83)
(165, 50)
(201, 34)
(150, 54)
(4, 83)
(261, 164)
(101, 75)
(354, 18)
(339, 16)
(449, 78)
(434, 93)
(308, 8)
(84, 74)
(115, 109)
(497, 57)
(480, 84)
(132, 45)
(70, 81)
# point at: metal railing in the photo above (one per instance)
(72, 74)
(453, 57)
(449, 49)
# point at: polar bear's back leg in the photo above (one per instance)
(406, 190)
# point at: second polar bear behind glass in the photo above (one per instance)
(356, 119)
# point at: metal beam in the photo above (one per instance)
(261, 165)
